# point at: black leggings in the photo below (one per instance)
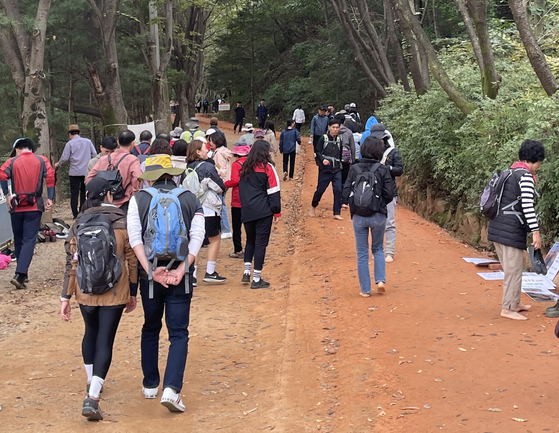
(258, 235)
(289, 157)
(236, 226)
(101, 324)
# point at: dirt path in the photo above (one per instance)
(309, 354)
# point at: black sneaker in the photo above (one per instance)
(261, 284)
(246, 278)
(19, 281)
(91, 410)
(194, 282)
(214, 278)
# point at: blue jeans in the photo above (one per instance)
(225, 228)
(361, 226)
(25, 226)
(176, 305)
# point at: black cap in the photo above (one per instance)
(23, 143)
(378, 130)
(98, 187)
(323, 108)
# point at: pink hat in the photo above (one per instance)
(241, 150)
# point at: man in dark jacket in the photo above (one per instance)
(262, 114)
(393, 160)
(348, 146)
(319, 125)
(288, 147)
(328, 156)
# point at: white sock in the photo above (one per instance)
(88, 371)
(256, 276)
(248, 265)
(195, 271)
(210, 267)
(95, 387)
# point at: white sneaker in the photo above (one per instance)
(172, 401)
(150, 392)
(226, 235)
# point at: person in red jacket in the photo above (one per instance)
(241, 151)
(26, 172)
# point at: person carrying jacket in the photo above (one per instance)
(515, 219)
(374, 221)
(319, 125)
(289, 139)
(101, 313)
(26, 171)
(328, 156)
(393, 160)
(259, 191)
(240, 151)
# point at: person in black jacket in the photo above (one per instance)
(328, 156)
(289, 139)
(262, 113)
(239, 117)
(374, 218)
(393, 160)
(259, 191)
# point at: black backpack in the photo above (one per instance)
(490, 203)
(112, 174)
(365, 198)
(99, 267)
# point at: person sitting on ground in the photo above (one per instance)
(259, 191)
(508, 229)
(142, 149)
(247, 138)
(289, 139)
(270, 137)
(369, 215)
(103, 299)
(328, 156)
(108, 146)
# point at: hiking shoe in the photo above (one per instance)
(172, 401)
(150, 392)
(227, 235)
(19, 281)
(91, 410)
(284, 177)
(246, 278)
(194, 282)
(552, 311)
(260, 284)
(214, 278)
(238, 255)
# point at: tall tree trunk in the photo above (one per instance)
(394, 42)
(533, 50)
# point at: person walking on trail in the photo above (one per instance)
(370, 122)
(248, 138)
(213, 188)
(142, 149)
(103, 290)
(128, 166)
(79, 151)
(289, 139)
(193, 131)
(240, 151)
(328, 156)
(348, 147)
(170, 292)
(223, 159)
(259, 191)
(206, 105)
(508, 229)
(108, 146)
(299, 117)
(239, 117)
(369, 187)
(393, 160)
(270, 137)
(27, 172)
(262, 113)
(319, 125)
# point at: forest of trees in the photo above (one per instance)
(459, 82)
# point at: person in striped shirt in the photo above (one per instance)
(517, 217)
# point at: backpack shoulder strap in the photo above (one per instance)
(137, 147)
(109, 160)
(120, 160)
(385, 155)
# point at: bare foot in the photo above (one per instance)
(508, 314)
(312, 212)
(522, 307)
(380, 287)
(338, 217)
(345, 206)
(365, 295)
(389, 259)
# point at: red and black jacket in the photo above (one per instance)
(259, 192)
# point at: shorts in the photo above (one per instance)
(213, 226)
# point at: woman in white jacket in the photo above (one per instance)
(223, 159)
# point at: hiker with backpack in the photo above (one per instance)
(348, 146)
(328, 156)
(240, 151)
(193, 131)
(319, 125)
(108, 146)
(259, 191)
(27, 172)
(160, 146)
(393, 160)
(166, 230)
(368, 189)
(248, 137)
(223, 159)
(514, 217)
(102, 274)
(203, 181)
(289, 139)
(142, 149)
(120, 165)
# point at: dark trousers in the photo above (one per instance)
(25, 226)
(175, 303)
(345, 171)
(239, 123)
(315, 139)
(258, 235)
(324, 179)
(298, 126)
(101, 324)
(236, 227)
(77, 188)
(124, 207)
(289, 157)
(261, 122)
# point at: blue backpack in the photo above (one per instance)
(166, 236)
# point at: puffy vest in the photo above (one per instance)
(509, 226)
